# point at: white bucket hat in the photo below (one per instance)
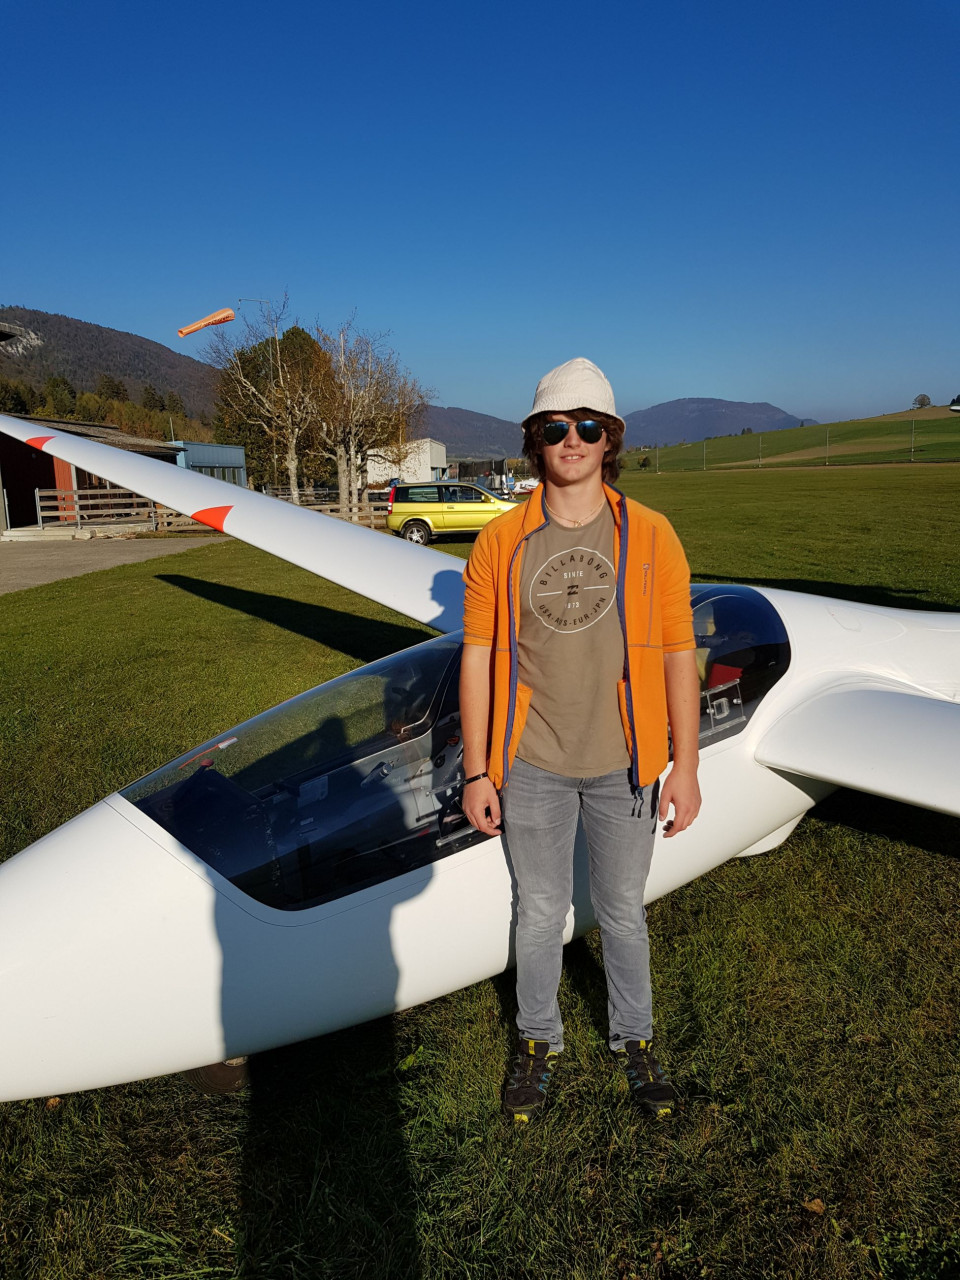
(578, 384)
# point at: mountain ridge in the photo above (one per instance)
(468, 434)
(48, 344)
(695, 418)
(52, 345)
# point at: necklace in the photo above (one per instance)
(569, 519)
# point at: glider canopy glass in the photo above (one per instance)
(347, 785)
(359, 780)
(742, 651)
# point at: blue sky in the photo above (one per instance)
(748, 200)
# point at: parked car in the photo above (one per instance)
(419, 512)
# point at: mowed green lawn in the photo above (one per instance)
(807, 999)
(850, 443)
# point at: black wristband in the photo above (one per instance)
(476, 778)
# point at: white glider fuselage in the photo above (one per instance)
(311, 869)
(124, 954)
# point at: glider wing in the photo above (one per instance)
(892, 743)
(420, 583)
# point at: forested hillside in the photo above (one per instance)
(54, 346)
(473, 435)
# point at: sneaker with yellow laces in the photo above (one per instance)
(525, 1090)
(649, 1084)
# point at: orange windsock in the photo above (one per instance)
(218, 317)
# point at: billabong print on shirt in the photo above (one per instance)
(573, 590)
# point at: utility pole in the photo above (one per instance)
(912, 425)
(760, 454)
(658, 459)
(704, 454)
(826, 456)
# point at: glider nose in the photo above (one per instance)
(109, 962)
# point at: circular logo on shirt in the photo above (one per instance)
(573, 590)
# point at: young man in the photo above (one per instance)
(578, 651)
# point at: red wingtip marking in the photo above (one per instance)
(212, 516)
(39, 441)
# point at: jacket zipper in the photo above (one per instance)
(621, 609)
(514, 651)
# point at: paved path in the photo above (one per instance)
(30, 564)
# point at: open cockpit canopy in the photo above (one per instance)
(359, 780)
(347, 785)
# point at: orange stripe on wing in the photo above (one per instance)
(212, 516)
(39, 441)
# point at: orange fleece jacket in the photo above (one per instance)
(653, 598)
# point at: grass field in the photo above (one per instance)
(807, 999)
(896, 438)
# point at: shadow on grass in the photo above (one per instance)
(582, 973)
(857, 594)
(587, 979)
(365, 639)
(327, 1190)
(873, 815)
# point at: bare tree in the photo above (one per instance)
(320, 400)
(921, 402)
(372, 407)
(273, 390)
(404, 432)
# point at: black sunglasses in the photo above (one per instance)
(588, 431)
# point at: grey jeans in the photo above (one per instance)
(540, 812)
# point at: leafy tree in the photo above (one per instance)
(150, 398)
(61, 398)
(139, 421)
(109, 388)
(174, 404)
(12, 399)
(921, 402)
(90, 408)
(747, 431)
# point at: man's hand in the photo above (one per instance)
(681, 790)
(683, 709)
(481, 804)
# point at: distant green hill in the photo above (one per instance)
(925, 436)
(696, 418)
(47, 345)
(473, 435)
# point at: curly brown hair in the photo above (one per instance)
(533, 441)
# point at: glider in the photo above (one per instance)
(224, 316)
(311, 869)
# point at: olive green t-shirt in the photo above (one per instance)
(571, 650)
